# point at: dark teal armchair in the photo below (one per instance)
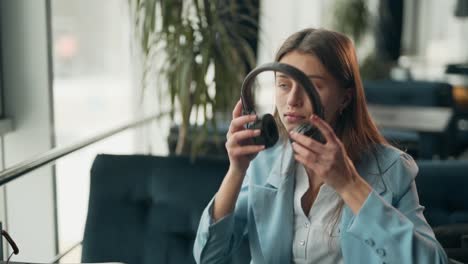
(443, 190)
(146, 209)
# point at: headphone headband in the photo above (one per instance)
(296, 74)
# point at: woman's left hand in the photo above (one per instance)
(329, 161)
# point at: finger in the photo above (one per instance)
(246, 150)
(308, 142)
(304, 162)
(305, 153)
(237, 110)
(324, 128)
(245, 134)
(239, 122)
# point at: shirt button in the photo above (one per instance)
(302, 243)
(369, 242)
(380, 252)
(306, 225)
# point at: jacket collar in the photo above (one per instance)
(283, 166)
(370, 168)
(272, 205)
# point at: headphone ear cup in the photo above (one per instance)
(310, 131)
(268, 131)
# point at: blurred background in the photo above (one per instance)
(73, 70)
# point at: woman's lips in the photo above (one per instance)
(294, 118)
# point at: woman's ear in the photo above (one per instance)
(346, 99)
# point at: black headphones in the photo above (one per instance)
(266, 123)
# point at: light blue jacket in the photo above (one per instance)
(389, 228)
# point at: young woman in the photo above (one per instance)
(351, 199)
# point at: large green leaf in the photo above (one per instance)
(193, 37)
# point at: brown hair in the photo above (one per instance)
(354, 126)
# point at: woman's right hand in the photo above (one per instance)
(240, 153)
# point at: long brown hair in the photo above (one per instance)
(354, 126)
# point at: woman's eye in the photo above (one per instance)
(318, 85)
(282, 85)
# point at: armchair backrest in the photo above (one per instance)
(146, 209)
(443, 190)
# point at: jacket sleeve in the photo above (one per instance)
(397, 231)
(216, 241)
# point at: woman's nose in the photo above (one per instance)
(295, 96)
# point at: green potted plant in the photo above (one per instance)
(206, 50)
(354, 18)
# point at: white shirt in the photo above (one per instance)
(314, 241)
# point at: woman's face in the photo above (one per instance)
(292, 102)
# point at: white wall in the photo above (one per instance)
(433, 37)
(27, 97)
(279, 19)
